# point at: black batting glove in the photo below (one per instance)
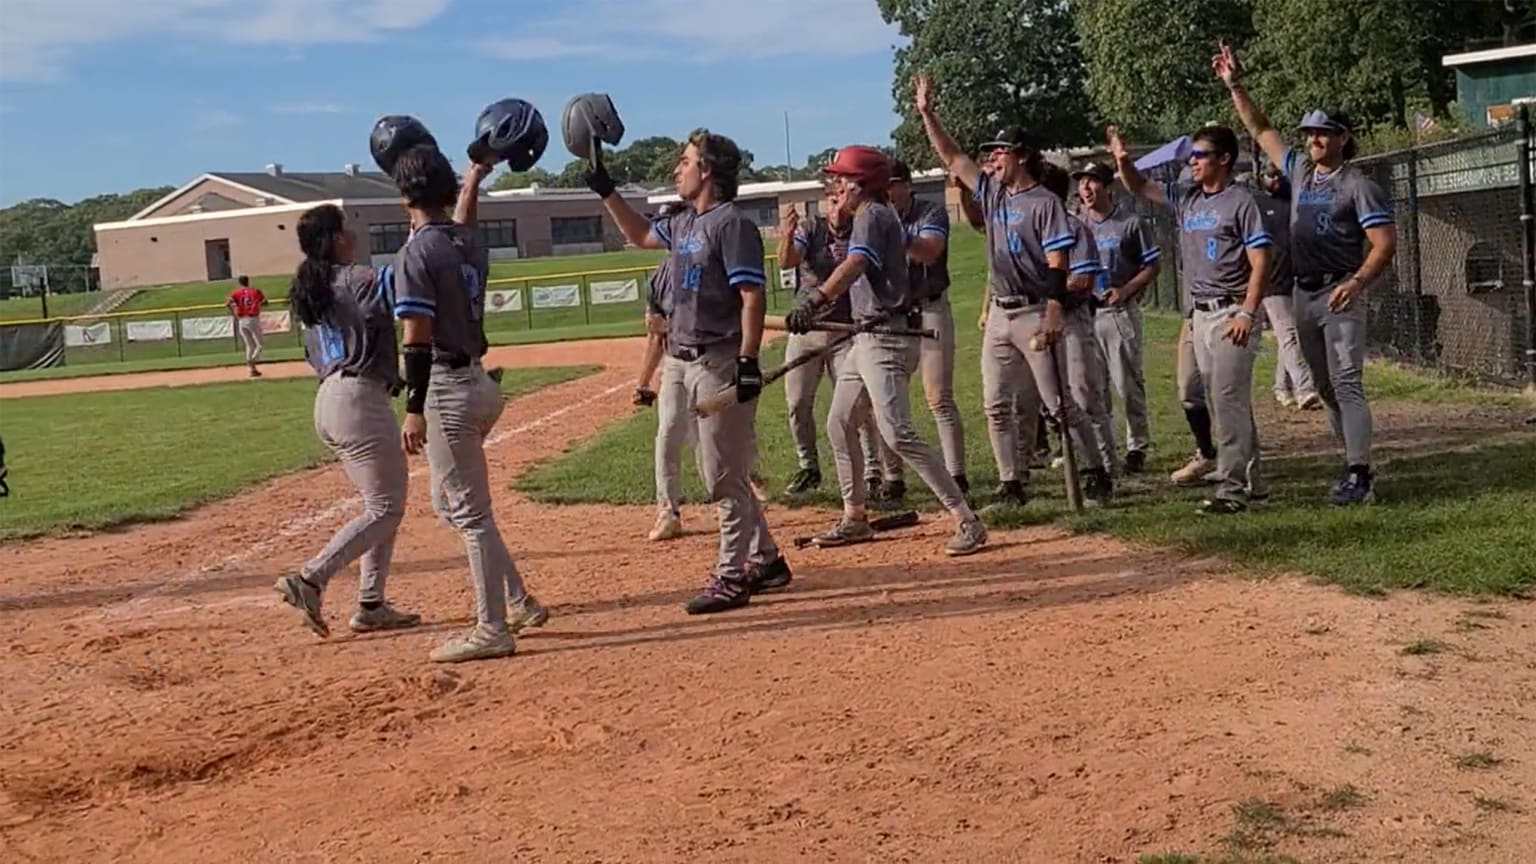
(599, 181)
(749, 379)
(645, 396)
(801, 318)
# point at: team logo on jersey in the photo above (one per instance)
(691, 244)
(1201, 220)
(1108, 242)
(1315, 197)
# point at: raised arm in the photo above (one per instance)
(791, 243)
(972, 210)
(467, 211)
(637, 229)
(954, 159)
(1136, 184)
(1226, 67)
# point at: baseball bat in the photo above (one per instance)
(774, 322)
(1064, 430)
(712, 405)
(888, 522)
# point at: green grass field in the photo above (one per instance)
(97, 460)
(1457, 522)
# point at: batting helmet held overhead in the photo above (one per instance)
(588, 118)
(393, 134)
(865, 165)
(510, 129)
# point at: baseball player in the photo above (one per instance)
(715, 330)
(439, 278)
(927, 231)
(349, 337)
(1225, 251)
(1130, 256)
(674, 421)
(245, 304)
(874, 273)
(1335, 211)
(814, 251)
(1293, 380)
(1028, 245)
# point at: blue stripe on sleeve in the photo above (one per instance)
(659, 228)
(384, 285)
(415, 306)
(1150, 255)
(1258, 241)
(1064, 241)
(933, 229)
(865, 252)
(1086, 267)
(1370, 220)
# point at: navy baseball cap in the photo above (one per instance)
(1012, 138)
(1098, 171)
(1331, 121)
(901, 172)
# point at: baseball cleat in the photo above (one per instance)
(1097, 487)
(1135, 461)
(969, 538)
(891, 495)
(1286, 400)
(1221, 507)
(1356, 488)
(480, 643)
(306, 598)
(668, 527)
(1010, 493)
(524, 613)
(719, 595)
(845, 533)
(1309, 402)
(769, 577)
(804, 481)
(382, 617)
(1194, 471)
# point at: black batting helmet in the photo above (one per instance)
(590, 117)
(394, 134)
(509, 129)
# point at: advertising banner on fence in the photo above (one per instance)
(275, 322)
(222, 327)
(626, 291)
(80, 335)
(556, 296)
(149, 331)
(504, 301)
(789, 279)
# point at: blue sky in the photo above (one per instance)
(101, 96)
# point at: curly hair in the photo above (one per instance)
(425, 178)
(723, 159)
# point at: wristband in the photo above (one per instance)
(418, 372)
(1056, 285)
(1244, 313)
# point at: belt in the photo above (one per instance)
(394, 389)
(452, 361)
(1216, 304)
(1014, 302)
(1319, 281)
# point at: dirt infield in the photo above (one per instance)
(1059, 698)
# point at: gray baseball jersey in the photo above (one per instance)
(1125, 246)
(1083, 259)
(440, 273)
(929, 281)
(1021, 228)
(821, 250)
(715, 256)
(1215, 234)
(1329, 215)
(881, 240)
(662, 294)
(1276, 214)
(358, 333)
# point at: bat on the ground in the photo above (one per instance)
(712, 405)
(1064, 430)
(774, 322)
(888, 522)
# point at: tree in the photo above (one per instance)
(994, 63)
(46, 231)
(524, 179)
(1149, 61)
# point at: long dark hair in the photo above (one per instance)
(310, 295)
(723, 159)
(425, 178)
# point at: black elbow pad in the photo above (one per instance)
(418, 372)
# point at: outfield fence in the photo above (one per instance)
(603, 300)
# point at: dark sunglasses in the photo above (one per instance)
(1201, 154)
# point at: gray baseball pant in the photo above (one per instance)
(674, 427)
(250, 336)
(354, 419)
(1226, 371)
(1191, 385)
(1026, 413)
(800, 386)
(1088, 377)
(1333, 344)
(460, 404)
(936, 367)
(1292, 377)
(881, 371)
(1005, 357)
(725, 455)
(1119, 332)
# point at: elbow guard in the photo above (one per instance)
(418, 372)
(1056, 285)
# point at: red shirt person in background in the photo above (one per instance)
(245, 304)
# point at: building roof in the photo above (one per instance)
(1492, 55)
(309, 187)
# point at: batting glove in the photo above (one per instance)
(749, 379)
(645, 396)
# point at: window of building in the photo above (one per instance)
(388, 238)
(1484, 268)
(497, 234)
(576, 229)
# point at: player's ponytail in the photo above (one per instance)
(310, 294)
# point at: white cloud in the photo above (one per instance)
(39, 36)
(309, 108)
(688, 30)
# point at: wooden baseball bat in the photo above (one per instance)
(1068, 455)
(774, 322)
(712, 405)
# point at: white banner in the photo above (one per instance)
(556, 296)
(76, 336)
(275, 322)
(627, 291)
(510, 300)
(150, 331)
(222, 327)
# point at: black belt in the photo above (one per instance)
(1319, 281)
(452, 361)
(1216, 304)
(1014, 302)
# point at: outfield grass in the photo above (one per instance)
(97, 460)
(1456, 522)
